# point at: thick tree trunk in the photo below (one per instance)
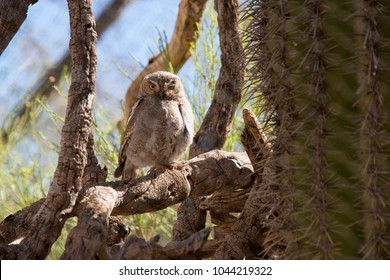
(67, 182)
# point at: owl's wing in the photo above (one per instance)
(187, 116)
(138, 108)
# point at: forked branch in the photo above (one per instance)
(202, 175)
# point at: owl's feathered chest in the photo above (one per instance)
(161, 132)
(161, 116)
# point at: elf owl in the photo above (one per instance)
(160, 127)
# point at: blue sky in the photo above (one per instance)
(44, 38)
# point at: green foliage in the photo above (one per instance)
(22, 183)
(322, 70)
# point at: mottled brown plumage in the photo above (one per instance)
(160, 127)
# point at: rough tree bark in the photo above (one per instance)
(202, 175)
(20, 116)
(249, 232)
(12, 16)
(175, 53)
(217, 123)
(67, 182)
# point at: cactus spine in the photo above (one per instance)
(322, 71)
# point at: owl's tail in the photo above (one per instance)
(119, 170)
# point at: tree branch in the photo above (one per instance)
(15, 227)
(203, 175)
(138, 249)
(12, 16)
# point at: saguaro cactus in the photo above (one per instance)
(321, 68)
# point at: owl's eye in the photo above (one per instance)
(171, 85)
(152, 86)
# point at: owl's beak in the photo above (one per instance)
(164, 90)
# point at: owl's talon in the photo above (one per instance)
(127, 181)
(153, 172)
(175, 166)
(157, 170)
